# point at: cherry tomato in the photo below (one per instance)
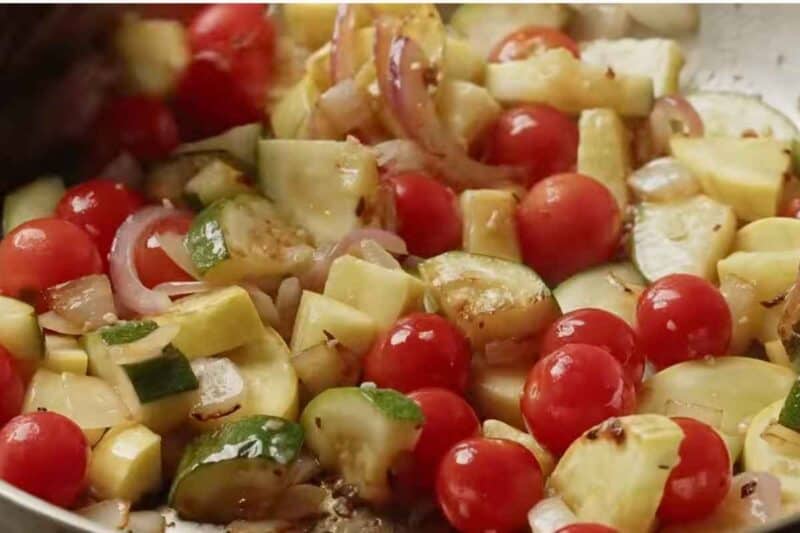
(598, 328)
(586, 527)
(530, 41)
(153, 265)
(488, 485)
(567, 223)
(427, 214)
(420, 350)
(572, 389)
(141, 125)
(12, 387)
(45, 454)
(42, 253)
(792, 208)
(682, 317)
(539, 138)
(226, 83)
(702, 477)
(99, 206)
(448, 419)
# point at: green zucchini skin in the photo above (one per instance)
(169, 373)
(129, 331)
(790, 412)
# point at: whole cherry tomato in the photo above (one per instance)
(152, 264)
(529, 41)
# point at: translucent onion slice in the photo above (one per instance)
(344, 108)
(668, 110)
(174, 245)
(222, 388)
(180, 288)
(287, 301)
(707, 415)
(146, 522)
(784, 440)
(145, 348)
(343, 43)
(87, 302)
(113, 514)
(663, 180)
(264, 305)
(132, 294)
(549, 515)
(373, 252)
(401, 155)
(52, 321)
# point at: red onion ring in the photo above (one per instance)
(131, 292)
(403, 73)
(179, 288)
(343, 44)
(669, 109)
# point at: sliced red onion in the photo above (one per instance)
(343, 41)
(174, 245)
(124, 169)
(403, 80)
(264, 305)
(401, 155)
(52, 321)
(180, 288)
(287, 301)
(109, 513)
(221, 391)
(129, 288)
(511, 351)
(666, 111)
(87, 302)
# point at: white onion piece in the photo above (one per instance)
(263, 526)
(129, 288)
(599, 21)
(221, 389)
(666, 19)
(178, 288)
(666, 111)
(663, 180)
(109, 513)
(87, 302)
(264, 305)
(300, 501)
(287, 301)
(708, 415)
(343, 42)
(742, 299)
(174, 246)
(511, 351)
(782, 439)
(52, 321)
(124, 169)
(146, 522)
(550, 515)
(147, 347)
(401, 155)
(403, 74)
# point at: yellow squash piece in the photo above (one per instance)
(495, 391)
(466, 109)
(762, 456)
(126, 464)
(290, 116)
(488, 219)
(772, 234)
(310, 25)
(604, 151)
(771, 273)
(320, 318)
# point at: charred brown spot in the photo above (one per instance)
(592, 434)
(611, 429)
(361, 206)
(775, 301)
(717, 227)
(748, 488)
(278, 472)
(663, 467)
(749, 134)
(430, 76)
(610, 74)
(318, 422)
(328, 335)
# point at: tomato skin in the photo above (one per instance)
(99, 206)
(537, 137)
(420, 350)
(682, 317)
(42, 253)
(448, 419)
(226, 83)
(530, 41)
(700, 481)
(45, 454)
(586, 527)
(141, 125)
(152, 264)
(572, 389)
(12, 387)
(791, 209)
(488, 485)
(567, 223)
(428, 218)
(602, 329)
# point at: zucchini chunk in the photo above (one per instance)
(239, 142)
(488, 223)
(20, 333)
(126, 464)
(557, 78)
(236, 472)
(615, 473)
(216, 180)
(489, 298)
(604, 151)
(320, 318)
(327, 187)
(687, 236)
(614, 287)
(771, 234)
(776, 454)
(466, 109)
(739, 387)
(36, 199)
(63, 354)
(244, 237)
(360, 433)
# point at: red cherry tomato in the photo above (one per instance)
(572, 389)
(226, 83)
(46, 455)
(141, 125)
(420, 350)
(702, 477)
(12, 387)
(537, 137)
(586, 528)
(99, 206)
(598, 328)
(682, 317)
(567, 223)
(448, 419)
(427, 214)
(153, 265)
(488, 485)
(530, 41)
(42, 253)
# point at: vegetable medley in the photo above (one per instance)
(354, 268)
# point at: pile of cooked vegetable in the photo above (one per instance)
(353, 268)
